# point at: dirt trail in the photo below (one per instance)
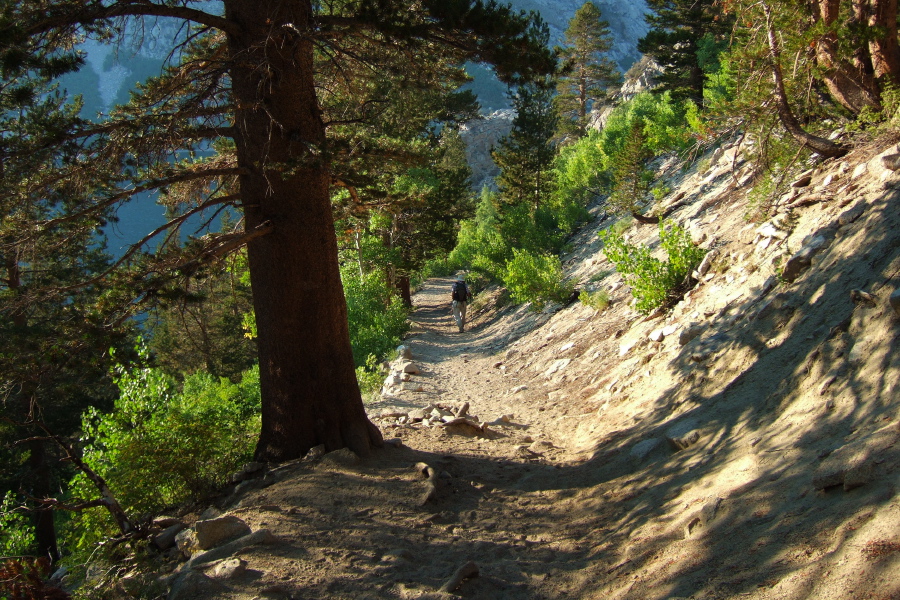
(744, 445)
(469, 366)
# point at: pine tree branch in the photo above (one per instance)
(135, 8)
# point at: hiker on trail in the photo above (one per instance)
(461, 296)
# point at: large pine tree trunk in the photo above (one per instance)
(851, 84)
(309, 390)
(884, 49)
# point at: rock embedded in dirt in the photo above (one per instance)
(404, 352)
(891, 161)
(683, 435)
(644, 448)
(803, 181)
(192, 584)
(689, 333)
(262, 536)
(410, 367)
(186, 541)
(340, 458)
(213, 532)
(230, 568)
(166, 538)
(894, 301)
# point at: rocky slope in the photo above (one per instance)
(742, 445)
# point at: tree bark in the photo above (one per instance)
(402, 284)
(884, 49)
(309, 391)
(44, 527)
(849, 84)
(818, 144)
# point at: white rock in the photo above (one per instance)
(860, 170)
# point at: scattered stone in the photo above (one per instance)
(861, 297)
(689, 333)
(186, 540)
(852, 213)
(557, 366)
(895, 301)
(518, 388)
(340, 458)
(642, 449)
(214, 532)
(540, 446)
(497, 364)
(412, 387)
(404, 352)
(698, 524)
(166, 538)
(410, 368)
(891, 161)
(656, 335)
(230, 568)
(830, 178)
(859, 171)
(567, 346)
(262, 536)
(803, 181)
(683, 435)
(192, 584)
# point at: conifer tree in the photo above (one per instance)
(249, 82)
(677, 30)
(525, 156)
(586, 72)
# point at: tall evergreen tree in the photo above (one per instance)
(525, 156)
(586, 72)
(678, 30)
(55, 331)
(249, 81)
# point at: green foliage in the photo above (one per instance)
(631, 178)
(161, 446)
(16, 533)
(369, 377)
(377, 320)
(525, 156)
(536, 278)
(585, 71)
(597, 300)
(654, 283)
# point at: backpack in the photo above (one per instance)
(460, 292)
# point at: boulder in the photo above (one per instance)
(262, 536)
(230, 568)
(192, 584)
(404, 352)
(215, 532)
(166, 538)
(891, 161)
(802, 259)
(852, 213)
(410, 367)
(186, 540)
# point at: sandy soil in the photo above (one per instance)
(742, 445)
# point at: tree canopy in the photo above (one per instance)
(242, 119)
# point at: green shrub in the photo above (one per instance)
(536, 278)
(654, 283)
(369, 378)
(377, 320)
(160, 446)
(597, 300)
(16, 532)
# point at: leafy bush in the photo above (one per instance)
(16, 533)
(161, 446)
(597, 300)
(654, 283)
(377, 320)
(369, 378)
(536, 278)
